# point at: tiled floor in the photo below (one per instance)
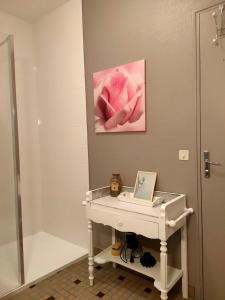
(72, 283)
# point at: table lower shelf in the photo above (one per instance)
(173, 274)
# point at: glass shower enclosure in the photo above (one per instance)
(11, 246)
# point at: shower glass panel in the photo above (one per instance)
(11, 254)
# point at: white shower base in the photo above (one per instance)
(8, 268)
(43, 254)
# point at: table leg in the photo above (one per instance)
(113, 242)
(90, 255)
(184, 266)
(163, 270)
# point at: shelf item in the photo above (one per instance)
(115, 249)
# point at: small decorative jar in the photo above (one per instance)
(115, 185)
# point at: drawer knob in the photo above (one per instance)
(120, 223)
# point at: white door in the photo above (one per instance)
(212, 97)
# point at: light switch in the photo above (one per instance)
(183, 154)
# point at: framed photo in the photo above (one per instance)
(119, 98)
(144, 186)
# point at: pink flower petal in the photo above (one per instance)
(116, 119)
(115, 84)
(138, 110)
(123, 115)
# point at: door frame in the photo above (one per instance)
(197, 61)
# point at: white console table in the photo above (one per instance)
(152, 222)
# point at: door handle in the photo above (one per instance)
(207, 164)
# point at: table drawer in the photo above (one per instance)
(146, 228)
(125, 223)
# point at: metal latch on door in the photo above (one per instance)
(208, 163)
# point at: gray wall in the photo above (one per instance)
(162, 32)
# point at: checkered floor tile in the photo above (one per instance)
(72, 283)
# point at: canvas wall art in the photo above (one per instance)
(119, 98)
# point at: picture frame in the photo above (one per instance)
(144, 188)
(119, 98)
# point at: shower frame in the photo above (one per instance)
(9, 40)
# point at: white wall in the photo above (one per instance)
(27, 116)
(63, 139)
(50, 87)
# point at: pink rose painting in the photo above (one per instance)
(119, 98)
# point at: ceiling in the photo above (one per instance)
(29, 10)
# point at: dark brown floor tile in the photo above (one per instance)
(147, 290)
(77, 281)
(100, 295)
(32, 286)
(121, 278)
